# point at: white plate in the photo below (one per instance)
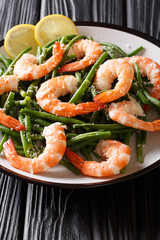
(128, 40)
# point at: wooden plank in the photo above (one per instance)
(17, 12)
(144, 16)
(12, 207)
(108, 11)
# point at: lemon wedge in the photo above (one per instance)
(54, 26)
(20, 37)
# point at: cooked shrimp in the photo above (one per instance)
(26, 67)
(8, 83)
(11, 122)
(49, 92)
(148, 68)
(88, 48)
(115, 154)
(52, 154)
(107, 73)
(123, 113)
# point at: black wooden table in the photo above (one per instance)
(128, 210)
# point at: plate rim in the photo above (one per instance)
(105, 183)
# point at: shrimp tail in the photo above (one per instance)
(103, 97)
(156, 125)
(84, 108)
(9, 149)
(74, 158)
(11, 122)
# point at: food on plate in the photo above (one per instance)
(26, 67)
(52, 154)
(94, 110)
(115, 154)
(49, 92)
(86, 49)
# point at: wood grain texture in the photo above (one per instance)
(108, 11)
(144, 16)
(17, 12)
(128, 210)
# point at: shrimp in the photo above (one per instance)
(88, 48)
(49, 91)
(8, 83)
(105, 76)
(52, 154)
(148, 68)
(115, 154)
(123, 113)
(11, 122)
(26, 67)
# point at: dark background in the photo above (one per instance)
(128, 210)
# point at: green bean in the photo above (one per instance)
(16, 141)
(151, 99)
(80, 91)
(67, 58)
(37, 107)
(71, 135)
(23, 138)
(4, 60)
(7, 105)
(9, 101)
(126, 141)
(28, 124)
(50, 44)
(9, 131)
(32, 87)
(93, 91)
(140, 94)
(79, 77)
(109, 52)
(41, 122)
(135, 52)
(63, 40)
(83, 144)
(90, 38)
(36, 137)
(75, 39)
(115, 47)
(120, 131)
(1, 71)
(89, 136)
(138, 75)
(10, 68)
(37, 128)
(22, 92)
(3, 99)
(50, 116)
(86, 154)
(39, 51)
(109, 127)
(127, 138)
(20, 152)
(18, 147)
(70, 166)
(4, 139)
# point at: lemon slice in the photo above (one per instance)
(53, 26)
(20, 37)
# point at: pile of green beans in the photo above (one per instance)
(83, 132)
